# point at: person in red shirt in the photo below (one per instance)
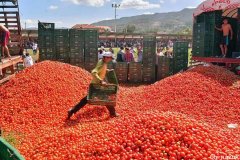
(5, 36)
(128, 56)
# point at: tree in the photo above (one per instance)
(186, 31)
(130, 28)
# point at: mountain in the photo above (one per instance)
(171, 22)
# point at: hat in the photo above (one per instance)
(107, 54)
(102, 47)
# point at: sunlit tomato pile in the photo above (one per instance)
(182, 117)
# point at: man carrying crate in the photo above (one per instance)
(98, 74)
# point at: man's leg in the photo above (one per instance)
(75, 109)
(7, 50)
(3, 54)
(112, 111)
(225, 50)
(222, 49)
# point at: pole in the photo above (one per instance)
(115, 6)
(115, 26)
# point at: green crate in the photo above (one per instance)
(135, 65)
(149, 38)
(91, 33)
(77, 61)
(45, 26)
(111, 65)
(148, 78)
(135, 78)
(121, 65)
(8, 152)
(47, 56)
(102, 95)
(91, 45)
(135, 73)
(61, 32)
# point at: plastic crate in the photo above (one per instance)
(149, 38)
(148, 79)
(8, 152)
(135, 72)
(111, 65)
(121, 65)
(42, 26)
(104, 94)
(136, 65)
(61, 32)
(47, 56)
(135, 78)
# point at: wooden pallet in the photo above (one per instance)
(9, 63)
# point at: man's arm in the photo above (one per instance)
(95, 74)
(219, 29)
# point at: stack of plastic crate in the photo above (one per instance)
(46, 41)
(135, 72)
(91, 49)
(180, 56)
(62, 45)
(149, 59)
(77, 44)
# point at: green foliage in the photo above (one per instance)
(130, 28)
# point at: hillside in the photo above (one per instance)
(172, 22)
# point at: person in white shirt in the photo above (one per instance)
(159, 54)
(100, 54)
(28, 61)
(34, 47)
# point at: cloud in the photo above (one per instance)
(139, 4)
(173, 1)
(148, 13)
(191, 7)
(161, 1)
(30, 21)
(94, 3)
(53, 7)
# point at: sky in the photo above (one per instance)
(66, 13)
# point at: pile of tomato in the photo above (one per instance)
(185, 116)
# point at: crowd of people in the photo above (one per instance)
(132, 54)
(31, 45)
(119, 43)
(133, 42)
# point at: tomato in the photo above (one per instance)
(181, 117)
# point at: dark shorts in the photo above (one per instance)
(225, 40)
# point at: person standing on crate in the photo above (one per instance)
(227, 36)
(5, 36)
(98, 74)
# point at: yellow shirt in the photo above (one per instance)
(99, 72)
